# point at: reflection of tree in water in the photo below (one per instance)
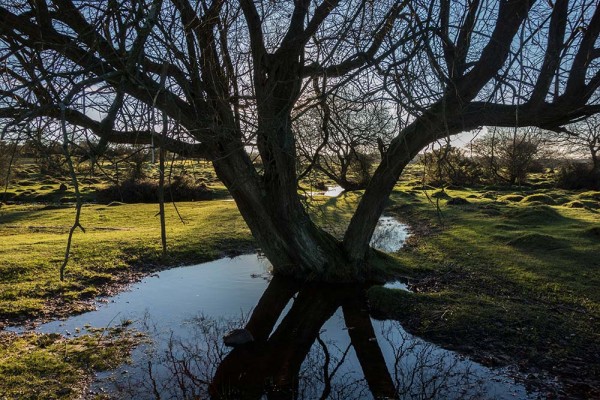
(292, 358)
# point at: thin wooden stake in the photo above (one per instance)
(73, 175)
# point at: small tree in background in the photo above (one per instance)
(508, 154)
(44, 149)
(449, 165)
(580, 140)
(5, 159)
(137, 160)
(341, 137)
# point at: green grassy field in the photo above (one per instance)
(119, 241)
(508, 276)
(503, 280)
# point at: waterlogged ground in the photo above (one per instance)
(503, 278)
(310, 341)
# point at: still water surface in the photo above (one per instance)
(310, 341)
(315, 342)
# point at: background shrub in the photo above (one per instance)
(575, 176)
(146, 191)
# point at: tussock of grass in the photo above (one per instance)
(489, 195)
(590, 195)
(537, 214)
(440, 194)
(539, 198)
(561, 200)
(537, 241)
(575, 204)
(513, 198)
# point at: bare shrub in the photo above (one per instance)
(450, 166)
(577, 175)
(180, 188)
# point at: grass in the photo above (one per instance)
(119, 241)
(50, 366)
(504, 282)
(512, 276)
(28, 184)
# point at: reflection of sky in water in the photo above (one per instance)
(397, 285)
(333, 191)
(222, 290)
(389, 235)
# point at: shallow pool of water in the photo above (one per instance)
(397, 285)
(333, 191)
(389, 235)
(311, 341)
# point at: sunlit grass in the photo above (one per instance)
(49, 366)
(511, 276)
(118, 241)
(516, 281)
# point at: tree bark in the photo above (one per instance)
(269, 202)
(291, 241)
(401, 151)
(595, 162)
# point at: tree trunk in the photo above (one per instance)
(269, 202)
(272, 209)
(343, 181)
(291, 241)
(401, 151)
(595, 162)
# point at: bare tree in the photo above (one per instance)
(584, 138)
(235, 71)
(507, 155)
(340, 135)
(449, 165)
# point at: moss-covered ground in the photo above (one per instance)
(50, 366)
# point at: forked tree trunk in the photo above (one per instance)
(269, 201)
(272, 209)
(291, 241)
